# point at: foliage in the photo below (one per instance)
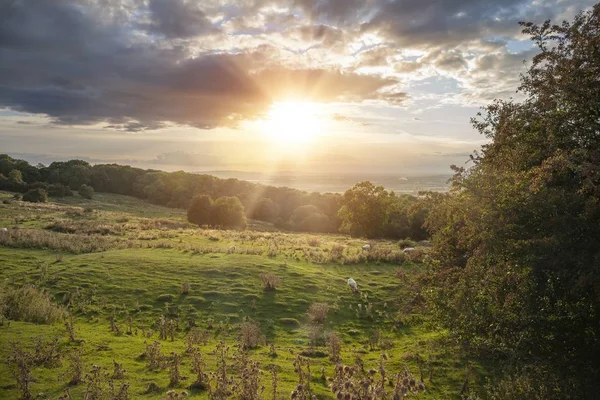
(371, 211)
(36, 196)
(517, 239)
(200, 210)
(266, 210)
(86, 191)
(178, 189)
(228, 213)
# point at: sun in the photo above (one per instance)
(291, 123)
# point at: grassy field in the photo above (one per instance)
(127, 270)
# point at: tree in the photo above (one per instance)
(364, 210)
(517, 238)
(228, 212)
(309, 219)
(200, 210)
(86, 191)
(266, 210)
(16, 176)
(36, 196)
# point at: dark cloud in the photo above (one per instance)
(78, 67)
(140, 64)
(179, 18)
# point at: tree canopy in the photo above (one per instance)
(517, 238)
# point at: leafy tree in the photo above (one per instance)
(36, 196)
(86, 191)
(59, 190)
(309, 218)
(266, 210)
(200, 210)
(517, 239)
(16, 176)
(364, 210)
(228, 212)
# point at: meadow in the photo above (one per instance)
(150, 306)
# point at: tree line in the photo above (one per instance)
(364, 210)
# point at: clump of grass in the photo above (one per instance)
(314, 242)
(317, 312)
(270, 281)
(165, 298)
(29, 304)
(186, 287)
(289, 322)
(250, 335)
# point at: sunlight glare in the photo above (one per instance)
(293, 122)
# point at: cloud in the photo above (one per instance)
(178, 19)
(136, 65)
(79, 66)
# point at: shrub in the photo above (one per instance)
(29, 304)
(317, 312)
(200, 210)
(228, 213)
(86, 191)
(250, 335)
(404, 243)
(36, 196)
(270, 281)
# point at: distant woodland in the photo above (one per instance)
(365, 210)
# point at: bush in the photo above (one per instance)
(317, 312)
(404, 243)
(29, 304)
(270, 281)
(36, 196)
(250, 335)
(59, 190)
(228, 213)
(86, 191)
(200, 210)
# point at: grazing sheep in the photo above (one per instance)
(353, 285)
(3, 230)
(231, 249)
(366, 247)
(408, 250)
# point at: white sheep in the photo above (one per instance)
(3, 230)
(353, 285)
(366, 247)
(408, 250)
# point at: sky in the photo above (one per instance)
(319, 86)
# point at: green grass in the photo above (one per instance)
(151, 251)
